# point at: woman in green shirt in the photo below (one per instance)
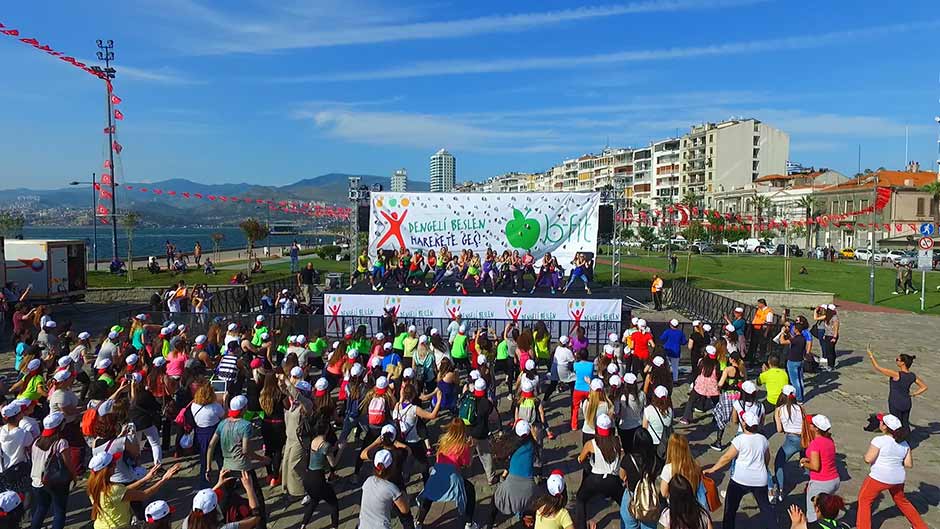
(541, 338)
(409, 343)
(32, 385)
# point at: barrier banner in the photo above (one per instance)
(561, 223)
(469, 307)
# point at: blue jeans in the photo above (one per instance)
(790, 446)
(45, 498)
(795, 372)
(628, 522)
(202, 438)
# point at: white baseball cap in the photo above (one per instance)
(106, 407)
(103, 363)
(375, 361)
(356, 370)
(301, 338)
(612, 369)
(113, 334)
(527, 385)
(603, 421)
(259, 318)
(11, 410)
(641, 322)
(729, 328)
(352, 353)
(33, 364)
(614, 381)
(892, 422)
(51, 324)
(9, 500)
(159, 361)
(706, 327)
(481, 360)
(696, 323)
(434, 331)
(556, 483)
(739, 309)
(597, 384)
(661, 392)
(349, 330)
(529, 364)
(84, 335)
(423, 339)
(157, 510)
(389, 429)
(65, 361)
(522, 428)
(140, 317)
(53, 420)
(322, 384)
(303, 385)
(238, 403)
(822, 422)
(831, 306)
(136, 377)
(381, 383)
(750, 418)
(612, 337)
(232, 326)
(658, 361)
(379, 336)
(563, 340)
(205, 501)
(408, 373)
(383, 459)
(387, 346)
(674, 322)
(479, 385)
(131, 359)
(629, 378)
(201, 339)
(62, 375)
(748, 387)
(474, 374)
(710, 350)
(100, 461)
(297, 372)
(788, 390)
(608, 349)
(412, 328)
(462, 328)
(634, 321)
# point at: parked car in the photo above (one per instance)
(701, 247)
(795, 250)
(761, 249)
(891, 256)
(847, 253)
(863, 254)
(909, 259)
(737, 247)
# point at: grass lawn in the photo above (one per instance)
(142, 278)
(848, 280)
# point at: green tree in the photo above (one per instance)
(695, 231)
(626, 233)
(130, 221)
(933, 189)
(810, 206)
(11, 224)
(648, 236)
(692, 199)
(735, 233)
(254, 231)
(761, 205)
(217, 238)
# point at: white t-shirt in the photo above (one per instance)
(452, 329)
(564, 360)
(209, 415)
(657, 421)
(406, 417)
(889, 467)
(601, 409)
(629, 410)
(740, 407)
(665, 522)
(749, 467)
(31, 427)
(288, 306)
(39, 460)
(666, 474)
(13, 444)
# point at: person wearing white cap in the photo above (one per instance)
(233, 435)
(696, 345)
(673, 339)
(606, 476)
(584, 373)
(14, 446)
(562, 368)
(206, 512)
(447, 483)
(797, 349)
(409, 342)
(515, 492)
(479, 428)
(595, 405)
(657, 419)
(820, 461)
(11, 504)
(424, 366)
(145, 412)
(323, 457)
(747, 403)
(641, 341)
(735, 328)
(750, 452)
(628, 408)
(406, 415)
(377, 403)
(889, 457)
(380, 494)
(550, 508)
(111, 501)
(459, 348)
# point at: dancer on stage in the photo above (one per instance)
(547, 271)
(578, 272)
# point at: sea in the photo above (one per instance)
(152, 241)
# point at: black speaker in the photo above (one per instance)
(362, 219)
(605, 228)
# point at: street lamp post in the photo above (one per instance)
(94, 219)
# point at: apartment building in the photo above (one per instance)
(399, 181)
(666, 170)
(718, 157)
(443, 172)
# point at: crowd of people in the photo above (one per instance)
(401, 415)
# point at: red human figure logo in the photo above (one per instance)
(334, 306)
(576, 310)
(514, 309)
(394, 228)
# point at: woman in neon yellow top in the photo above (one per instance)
(111, 502)
(32, 385)
(541, 338)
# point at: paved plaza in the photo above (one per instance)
(846, 396)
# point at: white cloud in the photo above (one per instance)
(354, 23)
(160, 75)
(504, 65)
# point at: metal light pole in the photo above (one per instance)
(106, 54)
(94, 219)
(874, 242)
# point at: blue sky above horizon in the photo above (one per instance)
(274, 92)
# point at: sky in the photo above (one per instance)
(274, 92)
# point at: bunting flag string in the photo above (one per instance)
(49, 50)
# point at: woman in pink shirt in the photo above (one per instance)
(176, 361)
(446, 483)
(820, 460)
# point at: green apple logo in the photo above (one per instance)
(522, 232)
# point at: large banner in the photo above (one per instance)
(578, 310)
(561, 223)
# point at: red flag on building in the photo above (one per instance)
(883, 195)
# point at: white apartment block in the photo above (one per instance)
(443, 172)
(643, 176)
(719, 157)
(666, 170)
(399, 183)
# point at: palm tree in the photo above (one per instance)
(761, 205)
(933, 188)
(691, 198)
(809, 204)
(130, 220)
(217, 238)
(254, 232)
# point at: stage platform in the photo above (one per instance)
(631, 297)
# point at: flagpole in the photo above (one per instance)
(106, 54)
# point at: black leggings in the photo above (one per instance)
(903, 415)
(318, 488)
(419, 453)
(469, 492)
(596, 485)
(508, 367)
(553, 385)
(372, 433)
(275, 437)
(736, 492)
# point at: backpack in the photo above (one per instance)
(528, 410)
(645, 502)
(377, 411)
(467, 408)
(89, 419)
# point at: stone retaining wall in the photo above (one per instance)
(779, 299)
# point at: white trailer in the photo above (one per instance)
(56, 269)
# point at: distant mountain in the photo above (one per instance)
(330, 188)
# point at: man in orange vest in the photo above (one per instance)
(657, 290)
(761, 327)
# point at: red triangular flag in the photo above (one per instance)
(118, 114)
(115, 100)
(45, 47)
(105, 179)
(117, 147)
(10, 32)
(109, 130)
(185, 195)
(107, 164)
(31, 42)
